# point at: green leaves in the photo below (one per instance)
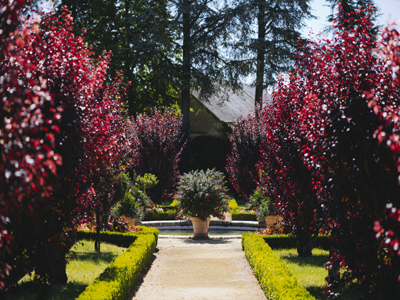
(202, 194)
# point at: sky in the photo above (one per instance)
(390, 10)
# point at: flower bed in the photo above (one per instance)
(275, 279)
(119, 278)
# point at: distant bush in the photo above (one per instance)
(159, 145)
(246, 138)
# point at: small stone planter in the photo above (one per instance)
(200, 227)
(272, 221)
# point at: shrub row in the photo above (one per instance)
(170, 214)
(119, 278)
(285, 241)
(275, 279)
(236, 215)
(243, 216)
(162, 215)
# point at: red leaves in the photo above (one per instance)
(157, 142)
(327, 111)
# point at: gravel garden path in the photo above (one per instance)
(199, 269)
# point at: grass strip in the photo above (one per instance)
(84, 266)
(310, 272)
(118, 279)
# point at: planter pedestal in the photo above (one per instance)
(134, 222)
(200, 227)
(271, 220)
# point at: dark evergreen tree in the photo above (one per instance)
(141, 38)
(203, 26)
(268, 36)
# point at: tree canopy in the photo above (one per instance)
(141, 38)
(268, 37)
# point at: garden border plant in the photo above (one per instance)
(275, 279)
(119, 278)
(236, 215)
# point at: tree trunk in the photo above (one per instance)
(98, 226)
(305, 244)
(260, 53)
(186, 80)
(58, 273)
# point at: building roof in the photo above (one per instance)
(237, 104)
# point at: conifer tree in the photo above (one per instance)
(268, 37)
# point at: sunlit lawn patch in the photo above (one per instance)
(310, 271)
(85, 265)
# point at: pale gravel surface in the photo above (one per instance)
(199, 269)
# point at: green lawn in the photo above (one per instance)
(310, 271)
(84, 266)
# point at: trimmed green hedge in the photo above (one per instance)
(163, 215)
(285, 241)
(170, 214)
(119, 278)
(276, 280)
(240, 216)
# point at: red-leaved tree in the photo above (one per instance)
(352, 175)
(158, 142)
(286, 180)
(72, 146)
(28, 120)
(384, 101)
(246, 138)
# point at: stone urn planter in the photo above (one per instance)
(202, 194)
(273, 221)
(200, 227)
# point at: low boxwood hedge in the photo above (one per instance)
(242, 216)
(236, 215)
(275, 279)
(285, 241)
(162, 215)
(169, 214)
(119, 278)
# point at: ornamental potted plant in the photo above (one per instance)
(201, 195)
(264, 211)
(256, 201)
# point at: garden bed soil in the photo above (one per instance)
(199, 269)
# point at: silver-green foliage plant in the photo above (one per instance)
(202, 194)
